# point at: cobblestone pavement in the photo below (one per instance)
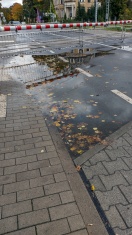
(109, 169)
(41, 192)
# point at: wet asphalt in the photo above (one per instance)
(83, 108)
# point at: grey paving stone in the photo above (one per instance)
(5, 163)
(123, 232)
(28, 175)
(58, 227)
(43, 156)
(128, 138)
(110, 198)
(99, 157)
(15, 155)
(80, 232)
(33, 151)
(8, 225)
(50, 148)
(6, 150)
(67, 197)
(6, 139)
(33, 140)
(2, 145)
(13, 133)
(127, 191)
(128, 176)
(76, 222)
(1, 157)
(26, 147)
(96, 181)
(46, 202)
(15, 169)
(97, 169)
(27, 231)
(117, 153)
(36, 182)
(15, 187)
(16, 208)
(1, 171)
(51, 170)
(60, 177)
(14, 143)
(33, 218)
(1, 190)
(126, 213)
(38, 164)
(43, 143)
(23, 137)
(7, 199)
(46, 137)
(40, 134)
(26, 159)
(54, 161)
(116, 165)
(7, 179)
(128, 161)
(113, 180)
(63, 211)
(119, 143)
(115, 218)
(30, 131)
(56, 187)
(30, 194)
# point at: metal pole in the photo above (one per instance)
(96, 10)
(107, 10)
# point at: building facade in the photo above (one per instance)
(69, 7)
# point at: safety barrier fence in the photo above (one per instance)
(27, 56)
(70, 25)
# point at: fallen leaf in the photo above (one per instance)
(64, 101)
(57, 124)
(95, 128)
(80, 151)
(90, 224)
(24, 107)
(77, 101)
(73, 148)
(42, 151)
(78, 168)
(92, 187)
(50, 94)
(103, 121)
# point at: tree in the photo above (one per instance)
(81, 13)
(7, 13)
(17, 11)
(117, 8)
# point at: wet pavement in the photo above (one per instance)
(76, 85)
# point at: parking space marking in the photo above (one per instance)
(123, 96)
(84, 72)
(2, 106)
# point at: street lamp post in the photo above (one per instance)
(96, 10)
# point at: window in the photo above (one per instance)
(89, 0)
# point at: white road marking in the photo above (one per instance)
(84, 72)
(6, 41)
(123, 96)
(2, 106)
(52, 52)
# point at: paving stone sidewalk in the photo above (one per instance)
(41, 192)
(109, 169)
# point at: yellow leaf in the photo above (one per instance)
(103, 121)
(79, 151)
(92, 187)
(95, 128)
(50, 94)
(64, 101)
(73, 148)
(77, 101)
(57, 124)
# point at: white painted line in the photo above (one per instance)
(52, 52)
(2, 106)
(6, 41)
(84, 72)
(123, 96)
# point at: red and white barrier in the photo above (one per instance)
(70, 25)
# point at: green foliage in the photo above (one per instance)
(117, 8)
(81, 13)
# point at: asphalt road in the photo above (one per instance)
(86, 105)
